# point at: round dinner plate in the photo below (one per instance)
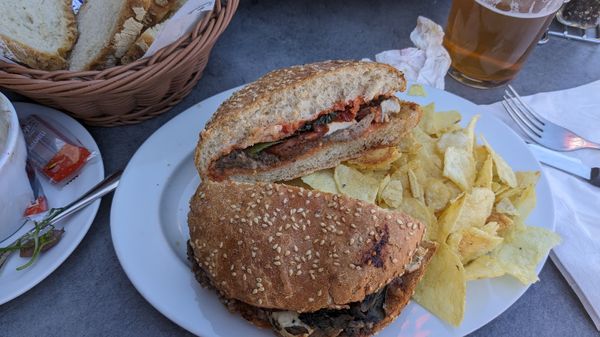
(14, 283)
(149, 228)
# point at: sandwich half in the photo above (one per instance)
(302, 262)
(297, 120)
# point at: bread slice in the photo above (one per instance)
(141, 45)
(261, 111)
(160, 10)
(299, 250)
(107, 29)
(38, 33)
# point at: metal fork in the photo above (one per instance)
(539, 129)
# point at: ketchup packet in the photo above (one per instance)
(39, 204)
(53, 151)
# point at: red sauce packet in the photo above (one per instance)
(52, 151)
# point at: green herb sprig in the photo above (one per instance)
(40, 234)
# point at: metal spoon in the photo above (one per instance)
(104, 187)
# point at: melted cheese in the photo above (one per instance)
(336, 126)
(289, 319)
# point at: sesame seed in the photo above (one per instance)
(234, 274)
(322, 242)
(295, 248)
(336, 263)
(299, 272)
(374, 217)
(287, 252)
(278, 249)
(254, 291)
(221, 244)
(278, 234)
(351, 265)
(310, 299)
(351, 241)
(291, 272)
(259, 301)
(358, 268)
(395, 260)
(270, 239)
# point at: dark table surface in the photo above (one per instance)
(90, 295)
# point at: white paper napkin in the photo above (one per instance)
(577, 203)
(425, 64)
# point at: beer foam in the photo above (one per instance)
(548, 8)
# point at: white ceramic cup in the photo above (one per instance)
(15, 190)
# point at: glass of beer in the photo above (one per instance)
(488, 40)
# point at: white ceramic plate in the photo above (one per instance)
(14, 283)
(149, 229)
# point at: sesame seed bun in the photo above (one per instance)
(274, 106)
(284, 247)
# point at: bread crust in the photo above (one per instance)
(284, 247)
(128, 27)
(38, 59)
(259, 111)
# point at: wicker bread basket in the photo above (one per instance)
(130, 93)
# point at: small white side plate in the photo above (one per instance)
(149, 229)
(14, 283)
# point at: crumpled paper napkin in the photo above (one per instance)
(576, 202)
(427, 62)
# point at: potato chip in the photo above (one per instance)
(322, 181)
(470, 210)
(506, 207)
(455, 191)
(442, 290)
(382, 183)
(523, 250)
(503, 170)
(426, 117)
(483, 267)
(527, 178)
(415, 188)
(437, 194)
(491, 228)
(498, 187)
(442, 121)
(486, 174)
(525, 203)
(408, 143)
(473, 242)
(505, 223)
(447, 220)
(470, 131)
(417, 90)
(459, 167)
(477, 208)
(378, 159)
(354, 184)
(480, 154)
(457, 139)
(510, 193)
(377, 175)
(392, 194)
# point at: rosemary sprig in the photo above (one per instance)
(39, 234)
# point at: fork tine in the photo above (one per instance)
(532, 121)
(526, 129)
(539, 118)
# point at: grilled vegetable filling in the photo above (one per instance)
(341, 123)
